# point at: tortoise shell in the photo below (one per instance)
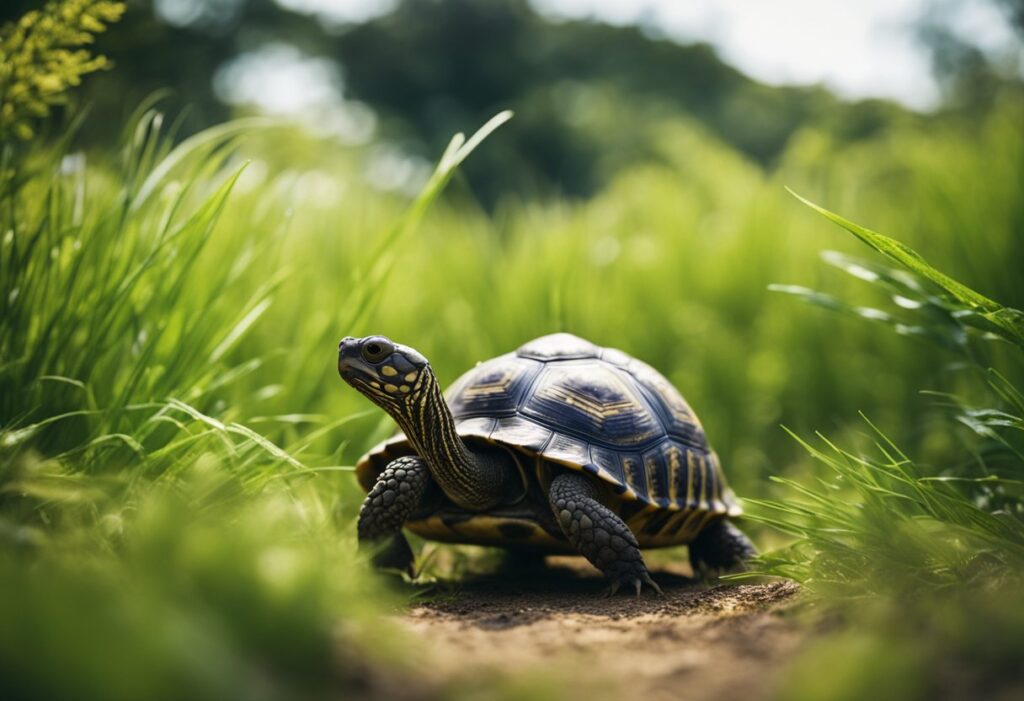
(560, 402)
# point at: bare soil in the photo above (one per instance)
(698, 641)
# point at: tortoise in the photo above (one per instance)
(558, 447)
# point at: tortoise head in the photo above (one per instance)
(389, 374)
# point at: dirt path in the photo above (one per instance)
(696, 642)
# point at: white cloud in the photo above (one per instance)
(340, 12)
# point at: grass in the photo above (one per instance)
(881, 521)
(175, 445)
(918, 557)
(154, 543)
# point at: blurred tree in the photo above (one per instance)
(588, 95)
(971, 75)
(431, 64)
(1014, 10)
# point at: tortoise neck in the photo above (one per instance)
(473, 479)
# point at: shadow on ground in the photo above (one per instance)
(566, 586)
(697, 641)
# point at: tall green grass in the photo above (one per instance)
(879, 522)
(932, 555)
(154, 541)
(120, 322)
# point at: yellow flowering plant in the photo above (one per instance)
(41, 57)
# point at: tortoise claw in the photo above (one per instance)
(636, 583)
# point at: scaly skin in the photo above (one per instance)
(720, 547)
(600, 536)
(386, 509)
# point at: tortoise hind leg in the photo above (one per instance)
(720, 547)
(386, 509)
(599, 535)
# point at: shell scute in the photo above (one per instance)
(521, 433)
(680, 420)
(493, 388)
(594, 401)
(566, 449)
(609, 462)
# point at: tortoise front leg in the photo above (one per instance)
(386, 509)
(600, 536)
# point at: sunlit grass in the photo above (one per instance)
(877, 522)
(916, 557)
(158, 542)
(175, 443)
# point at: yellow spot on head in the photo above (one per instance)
(404, 388)
(388, 371)
(375, 385)
(411, 377)
(390, 388)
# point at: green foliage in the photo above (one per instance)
(933, 555)
(573, 84)
(154, 543)
(117, 331)
(1007, 321)
(41, 59)
(949, 647)
(192, 591)
(882, 523)
(879, 525)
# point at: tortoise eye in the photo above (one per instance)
(377, 350)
